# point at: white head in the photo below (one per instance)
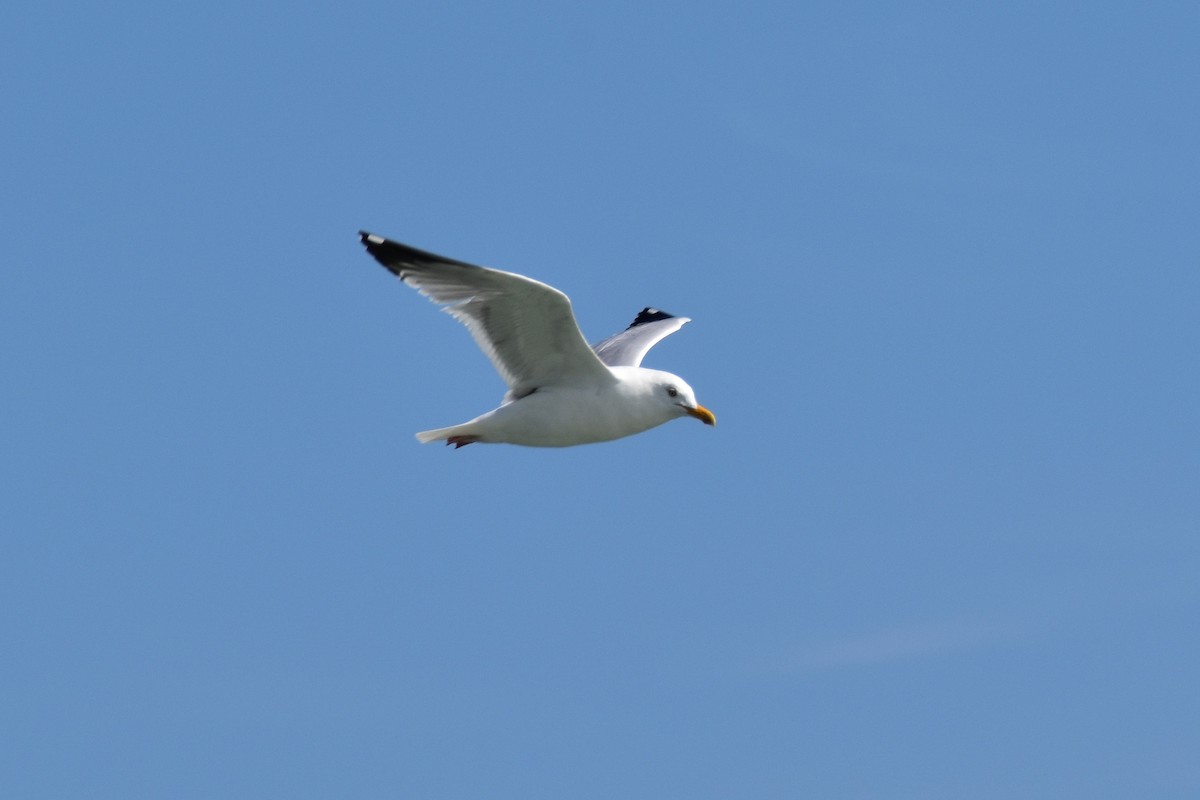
(674, 394)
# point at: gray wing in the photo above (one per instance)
(629, 347)
(525, 327)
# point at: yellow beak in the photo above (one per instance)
(703, 414)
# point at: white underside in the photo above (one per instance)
(561, 416)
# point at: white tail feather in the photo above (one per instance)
(442, 434)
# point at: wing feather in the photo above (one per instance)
(629, 347)
(524, 326)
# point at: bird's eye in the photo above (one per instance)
(672, 391)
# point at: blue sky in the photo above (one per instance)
(942, 265)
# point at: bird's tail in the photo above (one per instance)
(454, 432)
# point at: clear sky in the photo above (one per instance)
(943, 261)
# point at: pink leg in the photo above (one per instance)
(461, 441)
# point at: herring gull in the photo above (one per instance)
(561, 392)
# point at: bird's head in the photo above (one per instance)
(674, 391)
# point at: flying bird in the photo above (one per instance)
(561, 392)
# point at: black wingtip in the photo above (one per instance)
(387, 253)
(648, 314)
(396, 256)
(370, 240)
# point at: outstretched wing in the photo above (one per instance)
(629, 347)
(525, 327)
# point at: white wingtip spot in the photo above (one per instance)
(373, 239)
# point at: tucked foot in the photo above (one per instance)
(461, 441)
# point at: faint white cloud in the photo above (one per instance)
(897, 643)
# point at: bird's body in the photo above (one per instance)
(561, 416)
(561, 392)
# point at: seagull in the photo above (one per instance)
(561, 392)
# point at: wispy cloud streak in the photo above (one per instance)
(894, 644)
